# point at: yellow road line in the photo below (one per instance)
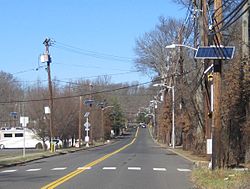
(67, 177)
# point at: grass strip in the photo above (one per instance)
(220, 179)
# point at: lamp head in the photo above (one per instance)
(172, 46)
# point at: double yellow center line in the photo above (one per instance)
(67, 177)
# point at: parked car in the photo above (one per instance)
(143, 125)
(13, 137)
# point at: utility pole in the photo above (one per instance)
(47, 58)
(203, 21)
(216, 117)
(245, 32)
(80, 121)
(91, 110)
(245, 56)
(102, 123)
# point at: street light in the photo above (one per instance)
(173, 103)
(102, 118)
(172, 46)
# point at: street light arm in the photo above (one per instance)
(107, 107)
(172, 46)
(162, 85)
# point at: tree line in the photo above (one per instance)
(30, 100)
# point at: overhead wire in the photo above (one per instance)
(74, 96)
(230, 17)
(94, 54)
(234, 12)
(90, 93)
(87, 66)
(82, 78)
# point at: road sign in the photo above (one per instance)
(46, 110)
(87, 129)
(87, 125)
(86, 114)
(88, 102)
(13, 114)
(86, 139)
(24, 121)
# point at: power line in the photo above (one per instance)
(28, 70)
(94, 54)
(231, 17)
(87, 77)
(87, 66)
(74, 96)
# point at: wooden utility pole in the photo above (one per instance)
(245, 59)
(91, 116)
(47, 43)
(216, 122)
(245, 32)
(204, 41)
(80, 121)
(102, 124)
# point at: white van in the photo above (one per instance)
(13, 137)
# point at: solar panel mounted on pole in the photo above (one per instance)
(213, 52)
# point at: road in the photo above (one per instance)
(129, 163)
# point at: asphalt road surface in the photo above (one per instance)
(131, 163)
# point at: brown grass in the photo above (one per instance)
(221, 179)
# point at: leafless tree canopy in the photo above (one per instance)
(152, 55)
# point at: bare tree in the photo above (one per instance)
(10, 90)
(152, 55)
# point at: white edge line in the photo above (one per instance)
(109, 168)
(84, 168)
(8, 171)
(59, 168)
(240, 169)
(30, 170)
(159, 169)
(134, 168)
(183, 170)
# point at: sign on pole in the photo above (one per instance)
(24, 121)
(46, 110)
(86, 114)
(87, 125)
(86, 139)
(209, 146)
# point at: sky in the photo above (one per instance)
(90, 37)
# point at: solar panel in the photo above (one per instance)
(215, 53)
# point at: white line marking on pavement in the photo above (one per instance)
(59, 168)
(183, 170)
(159, 169)
(31, 170)
(109, 168)
(9, 171)
(240, 169)
(84, 168)
(134, 168)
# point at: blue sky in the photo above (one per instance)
(100, 26)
